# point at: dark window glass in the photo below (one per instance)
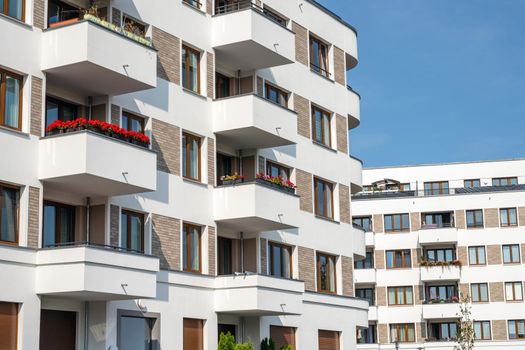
(324, 199)
(367, 263)
(132, 122)
(59, 11)
(59, 110)
(222, 86)
(436, 188)
(397, 223)
(273, 169)
(321, 128)
(367, 335)
(396, 259)
(9, 206)
(505, 181)
(10, 99)
(444, 331)
(280, 260)
(191, 69)
(225, 256)
(516, 329)
(365, 222)
(276, 95)
(400, 296)
(132, 231)
(191, 248)
(13, 8)
(403, 332)
(366, 293)
(475, 218)
(442, 254)
(437, 220)
(136, 333)
(508, 217)
(326, 273)
(59, 224)
(191, 156)
(319, 57)
(472, 183)
(441, 293)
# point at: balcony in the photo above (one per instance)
(369, 239)
(363, 276)
(257, 295)
(356, 174)
(440, 273)
(245, 38)
(358, 235)
(95, 273)
(440, 310)
(255, 207)
(429, 235)
(97, 59)
(250, 122)
(92, 164)
(372, 313)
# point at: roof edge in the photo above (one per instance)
(333, 15)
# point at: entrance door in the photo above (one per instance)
(58, 330)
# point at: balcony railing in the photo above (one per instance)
(93, 245)
(385, 194)
(438, 225)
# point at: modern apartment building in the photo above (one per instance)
(435, 234)
(149, 151)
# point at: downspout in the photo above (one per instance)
(242, 252)
(86, 325)
(242, 329)
(90, 107)
(88, 211)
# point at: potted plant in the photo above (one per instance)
(232, 179)
(276, 182)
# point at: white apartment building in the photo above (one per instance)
(140, 199)
(435, 234)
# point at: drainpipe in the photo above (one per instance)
(242, 329)
(88, 210)
(90, 107)
(240, 162)
(239, 82)
(242, 252)
(86, 325)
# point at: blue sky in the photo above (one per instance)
(440, 80)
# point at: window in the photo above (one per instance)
(319, 57)
(225, 256)
(403, 332)
(191, 248)
(324, 198)
(13, 8)
(477, 255)
(437, 220)
(275, 17)
(9, 206)
(59, 224)
(443, 331)
(132, 122)
(398, 259)
(505, 181)
(193, 3)
(321, 128)
(280, 260)
(508, 217)
(441, 293)
(59, 110)
(368, 188)
(400, 296)
(397, 223)
(192, 335)
(328, 340)
(137, 332)
(59, 11)
(222, 86)
(326, 273)
(273, 169)
(191, 156)
(516, 329)
(474, 183)
(511, 254)
(367, 335)
(282, 336)
(475, 218)
(54, 321)
(364, 221)
(482, 330)
(442, 254)
(191, 69)
(480, 292)
(9, 322)
(404, 187)
(513, 291)
(276, 95)
(132, 231)
(366, 293)
(436, 188)
(367, 263)
(10, 96)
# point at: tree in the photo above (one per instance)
(226, 342)
(267, 344)
(465, 333)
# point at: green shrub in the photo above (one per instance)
(245, 346)
(226, 342)
(286, 347)
(267, 344)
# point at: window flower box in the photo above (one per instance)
(276, 182)
(232, 179)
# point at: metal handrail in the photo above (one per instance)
(94, 245)
(236, 6)
(322, 71)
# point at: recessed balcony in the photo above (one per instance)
(440, 273)
(255, 207)
(92, 164)
(95, 273)
(435, 235)
(97, 58)
(440, 310)
(258, 295)
(247, 39)
(250, 122)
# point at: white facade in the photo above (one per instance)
(451, 227)
(74, 245)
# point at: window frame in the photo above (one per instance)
(483, 335)
(14, 312)
(5, 11)
(316, 199)
(280, 246)
(186, 232)
(324, 115)
(477, 255)
(397, 327)
(371, 290)
(470, 183)
(270, 164)
(130, 116)
(397, 302)
(514, 285)
(404, 258)
(507, 212)
(360, 219)
(361, 264)
(439, 336)
(440, 190)
(193, 3)
(17, 232)
(321, 44)
(130, 214)
(498, 181)
(476, 224)
(185, 66)
(516, 329)
(511, 254)
(58, 222)
(478, 287)
(20, 78)
(451, 290)
(329, 276)
(280, 93)
(436, 251)
(402, 227)
(186, 149)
